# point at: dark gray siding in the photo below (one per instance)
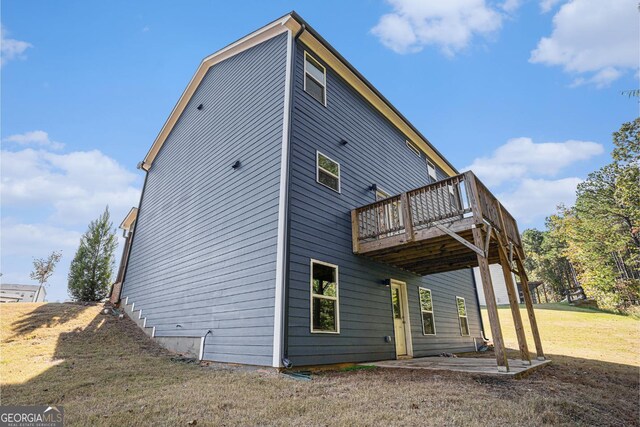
(320, 228)
(204, 252)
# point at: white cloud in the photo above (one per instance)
(527, 176)
(450, 25)
(37, 240)
(521, 157)
(547, 5)
(11, 48)
(48, 200)
(602, 78)
(75, 186)
(36, 137)
(593, 40)
(534, 199)
(511, 6)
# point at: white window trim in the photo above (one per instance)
(381, 191)
(466, 316)
(324, 71)
(312, 295)
(431, 166)
(318, 167)
(413, 148)
(426, 311)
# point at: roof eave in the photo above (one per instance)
(128, 221)
(289, 22)
(266, 32)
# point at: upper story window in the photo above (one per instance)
(431, 170)
(327, 172)
(426, 307)
(414, 148)
(462, 316)
(381, 194)
(315, 79)
(324, 297)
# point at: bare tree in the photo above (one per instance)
(43, 269)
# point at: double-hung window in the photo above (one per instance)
(413, 147)
(462, 316)
(431, 170)
(327, 172)
(324, 298)
(426, 307)
(315, 79)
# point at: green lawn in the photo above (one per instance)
(577, 332)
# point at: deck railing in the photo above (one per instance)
(448, 200)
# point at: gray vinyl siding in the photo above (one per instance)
(320, 228)
(204, 252)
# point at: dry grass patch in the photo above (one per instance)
(104, 371)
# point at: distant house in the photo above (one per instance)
(22, 293)
(291, 215)
(500, 287)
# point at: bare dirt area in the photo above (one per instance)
(105, 371)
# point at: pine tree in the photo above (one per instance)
(91, 269)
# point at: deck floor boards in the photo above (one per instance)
(472, 365)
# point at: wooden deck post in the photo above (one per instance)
(355, 231)
(503, 243)
(485, 273)
(513, 303)
(492, 309)
(407, 217)
(529, 303)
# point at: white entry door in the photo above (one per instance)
(400, 324)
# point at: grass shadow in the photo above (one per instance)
(110, 373)
(48, 315)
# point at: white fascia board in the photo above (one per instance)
(263, 34)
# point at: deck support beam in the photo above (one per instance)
(513, 302)
(462, 240)
(529, 303)
(492, 309)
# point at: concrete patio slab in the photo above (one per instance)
(472, 365)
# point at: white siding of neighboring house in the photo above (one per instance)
(499, 287)
(21, 293)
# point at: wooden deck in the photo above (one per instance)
(425, 230)
(471, 365)
(449, 225)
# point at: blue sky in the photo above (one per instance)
(527, 93)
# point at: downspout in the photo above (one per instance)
(475, 287)
(135, 225)
(285, 321)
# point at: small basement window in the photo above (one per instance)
(414, 148)
(324, 297)
(431, 170)
(327, 172)
(462, 316)
(426, 307)
(315, 79)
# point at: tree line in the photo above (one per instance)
(595, 244)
